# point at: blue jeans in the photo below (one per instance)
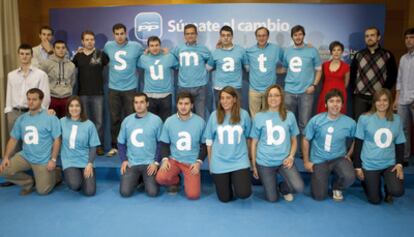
(130, 180)
(301, 105)
(406, 113)
(200, 98)
(292, 183)
(76, 181)
(344, 177)
(93, 106)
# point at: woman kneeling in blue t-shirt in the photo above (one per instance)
(79, 141)
(379, 150)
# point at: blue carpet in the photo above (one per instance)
(67, 213)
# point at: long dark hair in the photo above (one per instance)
(389, 115)
(235, 110)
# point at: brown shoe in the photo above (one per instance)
(25, 192)
(100, 151)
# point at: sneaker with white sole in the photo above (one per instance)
(288, 197)
(112, 152)
(337, 195)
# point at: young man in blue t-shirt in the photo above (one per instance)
(183, 148)
(158, 78)
(228, 61)
(192, 73)
(304, 72)
(40, 134)
(137, 142)
(123, 80)
(325, 150)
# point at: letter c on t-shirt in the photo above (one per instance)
(134, 139)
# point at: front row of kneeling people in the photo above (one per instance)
(155, 153)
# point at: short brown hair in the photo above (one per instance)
(45, 27)
(36, 91)
(297, 28)
(185, 94)
(87, 32)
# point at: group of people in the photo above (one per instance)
(156, 146)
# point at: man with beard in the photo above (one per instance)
(372, 68)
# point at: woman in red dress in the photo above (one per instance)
(335, 74)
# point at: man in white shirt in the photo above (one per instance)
(19, 81)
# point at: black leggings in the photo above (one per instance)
(372, 184)
(239, 180)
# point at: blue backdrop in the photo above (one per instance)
(323, 23)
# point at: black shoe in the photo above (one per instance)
(405, 163)
(389, 199)
(6, 184)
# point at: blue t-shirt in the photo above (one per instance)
(158, 72)
(122, 64)
(262, 65)
(228, 65)
(228, 141)
(192, 68)
(141, 136)
(301, 64)
(77, 138)
(184, 137)
(328, 137)
(380, 137)
(37, 132)
(273, 136)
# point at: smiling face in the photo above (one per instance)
(75, 109)
(262, 37)
(382, 104)
(274, 99)
(154, 47)
(227, 101)
(298, 38)
(334, 106)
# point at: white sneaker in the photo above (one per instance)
(337, 195)
(288, 197)
(112, 152)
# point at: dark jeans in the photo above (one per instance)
(120, 106)
(344, 176)
(130, 180)
(372, 184)
(238, 180)
(292, 182)
(161, 107)
(200, 98)
(362, 104)
(93, 106)
(76, 181)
